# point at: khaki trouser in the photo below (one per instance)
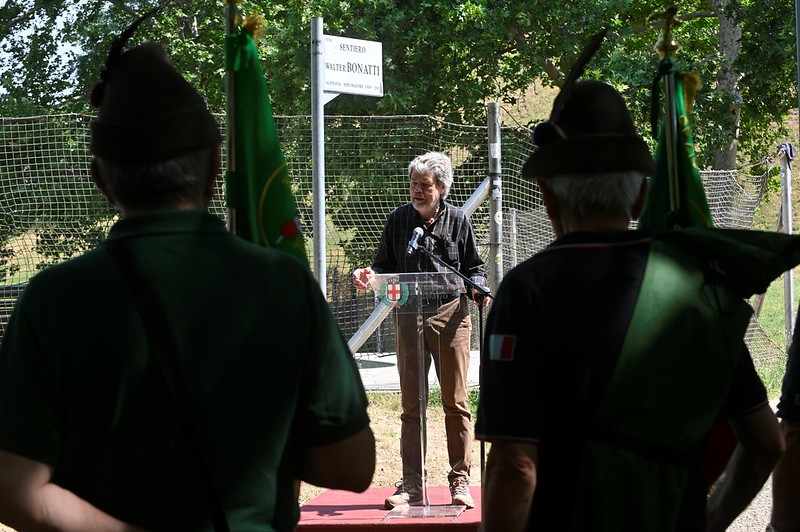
(446, 333)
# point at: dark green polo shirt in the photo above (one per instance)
(266, 368)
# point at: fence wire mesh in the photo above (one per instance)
(50, 210)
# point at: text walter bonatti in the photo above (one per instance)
(353, 66)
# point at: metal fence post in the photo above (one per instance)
(787, 152)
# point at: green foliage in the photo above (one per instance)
(773, 187)
(441, 57)
(7, 267)
(16, 106)
(374, 153)
(473, 395)
(43, 168)
(769, 75)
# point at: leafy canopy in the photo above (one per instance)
(441, 57)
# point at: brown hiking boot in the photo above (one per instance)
(459, 492)
(408, 493)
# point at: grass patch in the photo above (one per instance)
(772, 316)
(435, 398)
(773, 321)
(384, 399)
(772, 377)
(391, 400)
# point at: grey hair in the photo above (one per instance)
(149, 186)
(436, 162)
(584, 194)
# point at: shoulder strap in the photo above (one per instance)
(162, 347)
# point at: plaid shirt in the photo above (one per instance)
(450, 237)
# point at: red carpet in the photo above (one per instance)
(340, 511)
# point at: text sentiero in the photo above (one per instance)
(357, 48)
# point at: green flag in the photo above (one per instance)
(259, 188)
(688, 206)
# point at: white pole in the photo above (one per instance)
(368, 327)
(477, 197)
(512, 245)
(787, 203)
(318, 152)
(496, 203)
(786, 213)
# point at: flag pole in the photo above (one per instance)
(676, 197)
(231, 14)
(667, 47)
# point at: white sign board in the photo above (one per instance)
(353, 66)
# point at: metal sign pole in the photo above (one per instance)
(318, 152)
(231, 12)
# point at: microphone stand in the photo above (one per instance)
(483, 292)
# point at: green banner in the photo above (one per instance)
(259, 188)
(688, 206)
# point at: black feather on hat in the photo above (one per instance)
(147, 111)
(589, 131)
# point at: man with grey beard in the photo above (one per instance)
(448, 234)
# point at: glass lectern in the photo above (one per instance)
(416, 296)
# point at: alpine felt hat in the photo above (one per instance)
(591, 132)
(147, 111)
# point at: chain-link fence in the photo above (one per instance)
(50, 210)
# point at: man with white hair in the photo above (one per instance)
(611, 353)
(448, 234)
(176, 377)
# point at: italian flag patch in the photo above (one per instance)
(501, 347)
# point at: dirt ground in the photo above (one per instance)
(384, 412)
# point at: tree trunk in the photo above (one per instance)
(730, 34)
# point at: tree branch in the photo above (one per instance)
(551, 70)
(125, 7)
(641, 28)
(7, 22)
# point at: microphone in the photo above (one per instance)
(413, 244)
